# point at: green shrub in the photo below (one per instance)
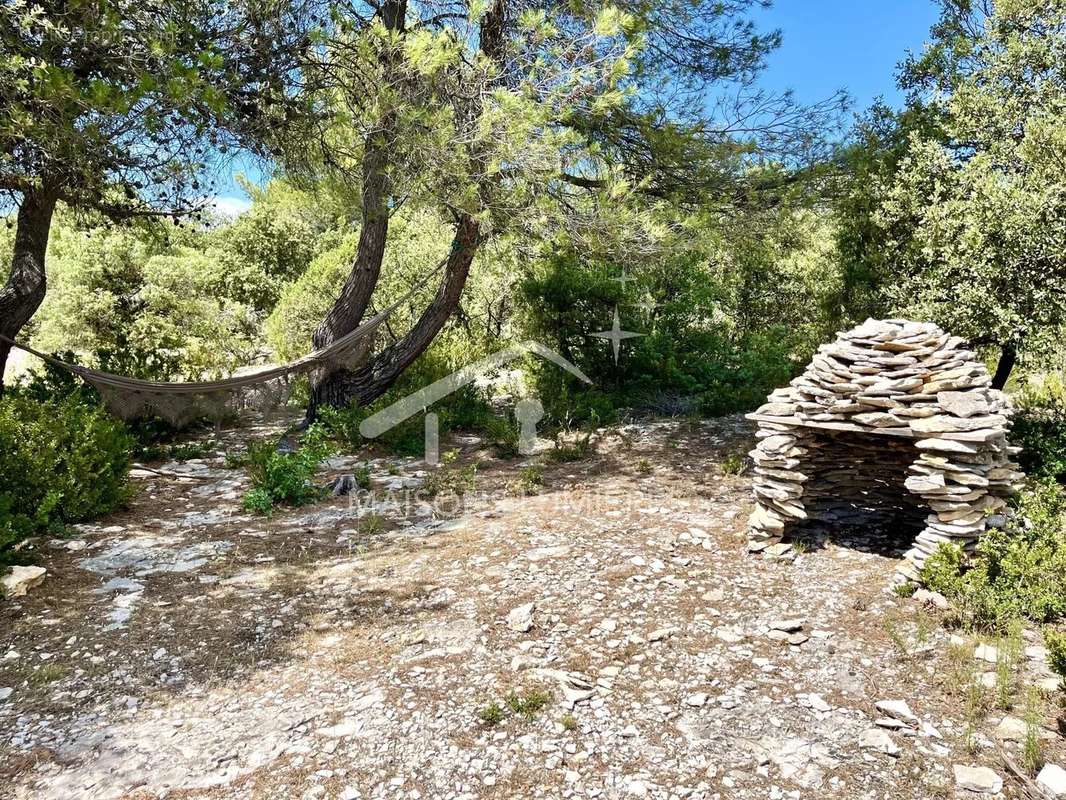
(450, 478)
(1055, 641)
(491, 714)
(527, 704)
(690, 356)
(733, 464)
(62, 461)
(1017, 571)
(564, 452)
(285, 477)
(1039, 427)
(362, 476)
(528, 482)
(503, 434)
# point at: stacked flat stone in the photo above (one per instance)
(894, 417)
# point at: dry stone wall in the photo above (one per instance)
(894, 417)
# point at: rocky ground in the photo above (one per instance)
(608, 636)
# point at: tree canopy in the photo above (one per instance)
(120, 107)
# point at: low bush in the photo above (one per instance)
(564, 452)
(528, 704)
(1055, 641)
(63, 460)
(450, 478)
(284, 477)
(1039, 427)
(528, 482)
(1017, 571)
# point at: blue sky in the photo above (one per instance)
(844, 44)
(828, 45)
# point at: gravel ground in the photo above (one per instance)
(608, 636)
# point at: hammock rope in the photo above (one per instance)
(182, 401)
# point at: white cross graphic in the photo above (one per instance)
(615, 335)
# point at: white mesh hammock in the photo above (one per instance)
(181, 402)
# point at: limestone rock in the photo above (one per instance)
(1011, 729)
(977, 779)
(879, 740)
(897, 709)
(20, 580)
(520, 619)
(1053, 778)
(962, 404)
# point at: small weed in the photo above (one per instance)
(905, 589)
(450, 478)
(1032, 747)
(896, 636)
(371, 524)
(491, 714)
(644, 467)
(528, 482)
(47, 673)
(1009, 650)
(362, 476)
(568, 722)
(924, 626)
(565, 452)
(528, 704)
(733, 464)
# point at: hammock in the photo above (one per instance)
(181, 402)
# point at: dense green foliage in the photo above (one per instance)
(63, 460)
(721, 325)
(1017, 571)
(1039, 426)
(957, 209)
(1055, 641)
(284, 476)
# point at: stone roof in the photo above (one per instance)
(894, 377)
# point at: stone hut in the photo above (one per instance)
(893, 418)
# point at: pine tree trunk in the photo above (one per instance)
(1008, 354)
(368, 383)
(24, 292)
(348, 309)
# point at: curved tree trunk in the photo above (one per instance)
(368, 383)
(348, 309)
(24, 292)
